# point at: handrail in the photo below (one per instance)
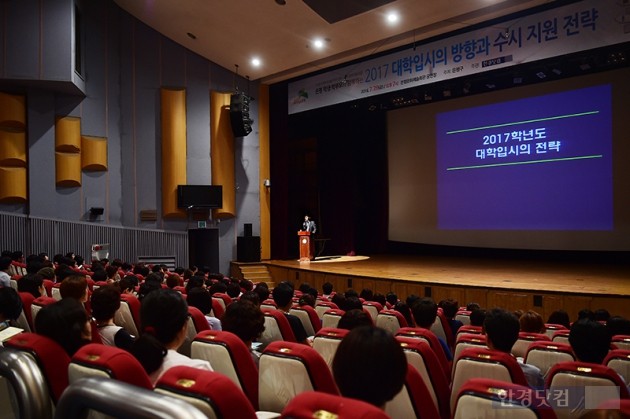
(28, 384)
(121, 400)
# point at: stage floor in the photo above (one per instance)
(528, 275)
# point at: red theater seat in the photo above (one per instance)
(414, 400)
(315, 404)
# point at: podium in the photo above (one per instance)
(306, 246)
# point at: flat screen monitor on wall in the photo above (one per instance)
(536, 167)
(200, 196)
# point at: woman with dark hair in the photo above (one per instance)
(105, 302)
(404, 309)
(10, 307)
(246, 321)
(164, 318)
(352, 319)
(66, 322)
(74, 286)
(33, 284)
(370, 365)
(200, 298)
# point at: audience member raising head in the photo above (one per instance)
(66, 322)
(590, 341)
(164, 318)
(370, 365)
(105, 302)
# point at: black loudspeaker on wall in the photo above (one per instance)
(248, 230)
(248, 249)
(239, 115)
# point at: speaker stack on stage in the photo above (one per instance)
(248, 246)
(239, 114)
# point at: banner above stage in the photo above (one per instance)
(564, 30)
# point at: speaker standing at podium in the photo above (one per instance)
(309, 225)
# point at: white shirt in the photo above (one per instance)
(214, 323)
(5, 279)
(174, 359)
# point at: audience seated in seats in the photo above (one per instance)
(449, 308)
(352, 303)
(172, 281)
(74, 286)
(33, 284)
(404, 309)
(199, 297)
(532, 322)
(262, 289)
(246, 321)
(233, 290)
(128, 284)
(354, 318)
(306, 300)
(367, 294)
(283, 296)
(5, 276)
(391, 298)
(586, 313)
(370, 365)
(327, 290)
(339, 300)
(560, 317)
(10, 307)
(66, 322)
(196, 281)
(380, 298)
(105, 302)
(477, 317)
(151, 284)
(252, 297)
(501, 328)
(601, 315)
(590, 341)
(164, 318)
(424, 313)
(618, 325)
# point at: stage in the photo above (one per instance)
(542, 285)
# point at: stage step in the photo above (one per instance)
(255, 272)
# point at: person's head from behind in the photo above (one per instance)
(590, 341)
(586, 313)
(33, 284)
(252, 297)
(501, 328)
(74, 286)
(105, 302)
(283, 295)
(618, 325)
(370, 365)
(352, 319)
(353, 303)
(128, 284)
(233, 289)
(532, 322)
(424, 312)
(200, 298)
(307, 300)
(5, 262)
(404, 309)
(10, 304)
(327, 288)
(367, 294)
(601, 315)
(164, 319)
(477, 317)
(391, 298)
(560, 317)
(66, 322)
(244, 319)
(172, 281)
(449, 307)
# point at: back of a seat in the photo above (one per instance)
(585, 386)
(485, 363)
(619, 360)
(621, 341)
(39, 303)
(25, 321)
(51, 358)
(414, 400)
(373, 308)
(422, 358)
(96, 360)
(390, 320)
(524, 340)
(128, 315)
(468, 329)
(327, 341)
(331, 317)
(481, 397)
(303, 313)
(229, 355)
(463, 316)
(561, 336)
(545, 354)
(322, 306)
(468, 340)
(311, 404)
(442, 328)
(432, 340)
(277, 328)
(268, 304)
(287, 369)
(211, 392)
(551, 328)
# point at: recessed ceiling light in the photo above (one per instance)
(392, 18)
(318, 43)
(256, 62)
